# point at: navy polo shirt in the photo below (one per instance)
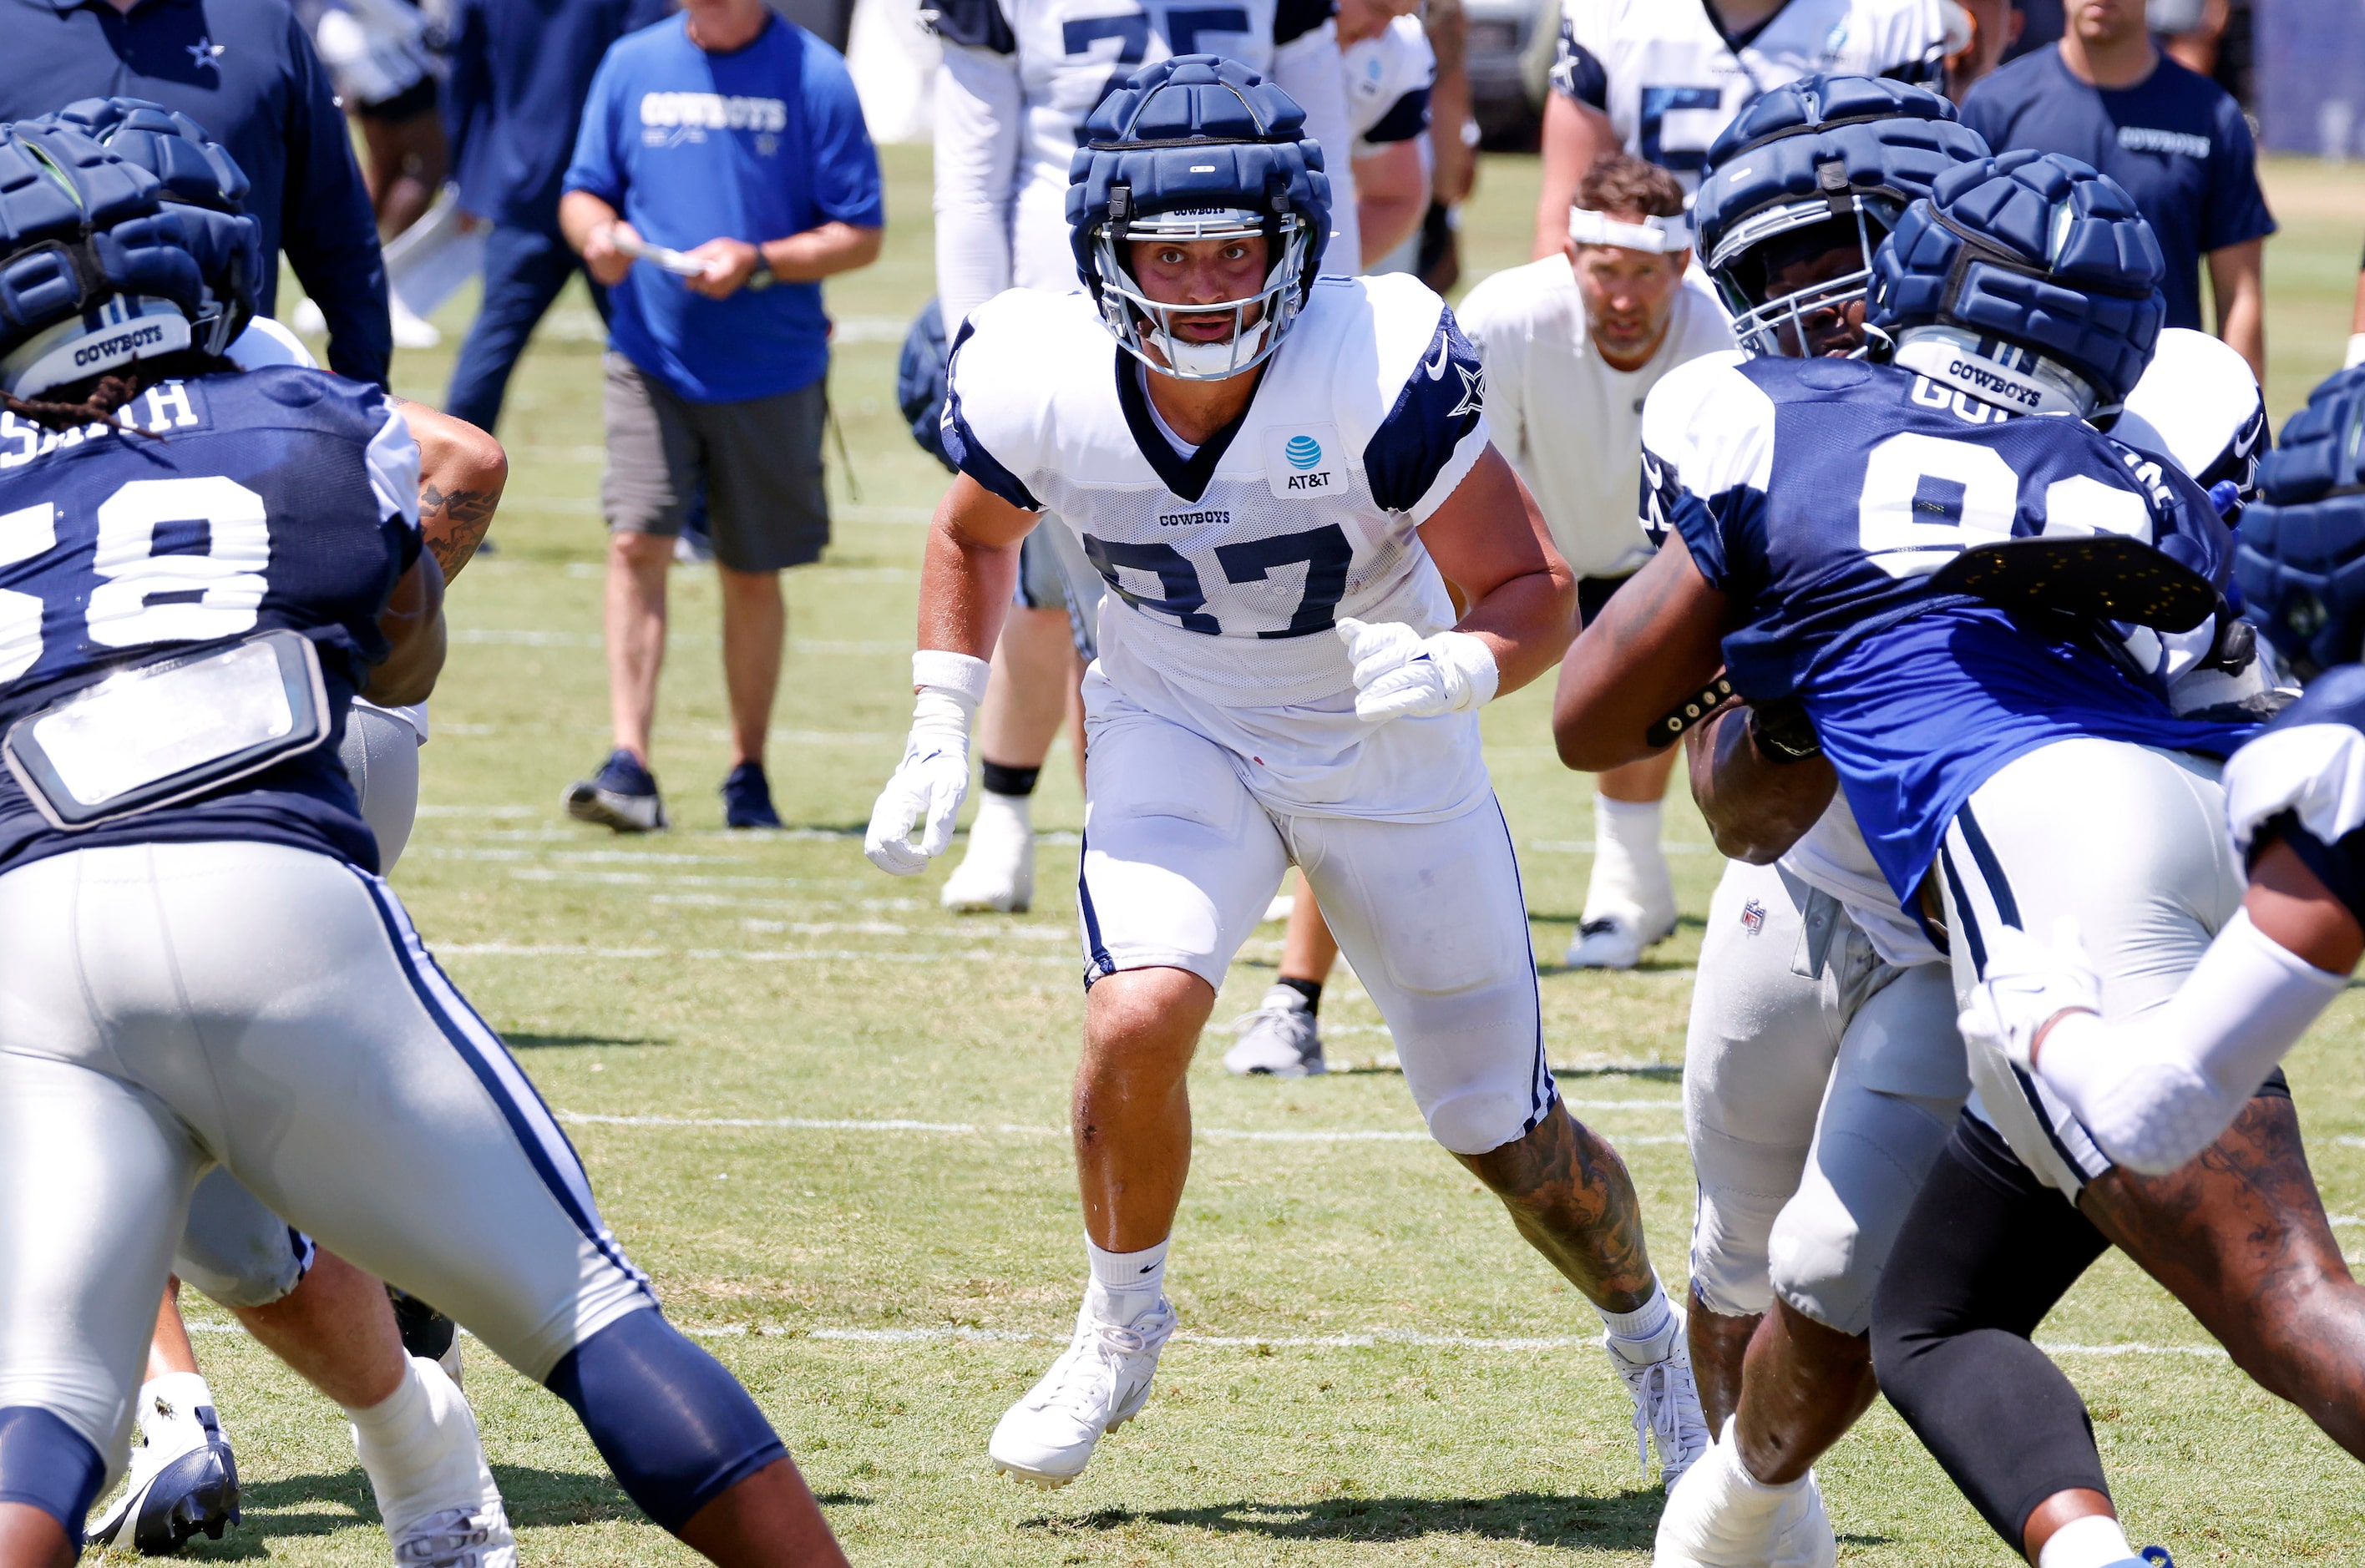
(243, 70)
(520, 70)
(2176, 140)
(761, 142)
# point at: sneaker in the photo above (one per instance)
(1280, 1039)
(426, 1333)
(184, 1477)
(622, 795)
(458, 1538)
(1657, 1374)
(1099, 1384)
(1719, 1516)
(1613, 942)
(747, 798)
(997, 875)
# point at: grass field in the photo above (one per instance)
(826, 1117)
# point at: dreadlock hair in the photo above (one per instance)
(97, 400)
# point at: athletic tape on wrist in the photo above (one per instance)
(956, 675)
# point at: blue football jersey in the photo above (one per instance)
(275, 499)
(1820, 495)
(2302, 780)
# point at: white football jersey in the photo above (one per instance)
(1570, 421)
(1229, 565)
(1671, 79)
(1020, 78)
(1388, 81)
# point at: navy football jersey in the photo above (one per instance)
(1820, 495)
(272, 499)
(2302, 780)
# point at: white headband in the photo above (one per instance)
(1657, 236)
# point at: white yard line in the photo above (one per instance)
(1008, 1130)
(749, 956)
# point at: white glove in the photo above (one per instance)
(2027, 985)
(1399, 673)
(2356, 352)
(932, 780)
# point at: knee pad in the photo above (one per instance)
(675, 1426)
(1728, 1251)
(1482, 1120)
(1832, 1238)
(46, 1464)
(237, 1252)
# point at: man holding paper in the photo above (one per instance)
(723, 171)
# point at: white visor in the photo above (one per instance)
(1996, 372)
(122, 330)
(1655, 236)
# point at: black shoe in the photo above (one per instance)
(622, 795)
(747, 798)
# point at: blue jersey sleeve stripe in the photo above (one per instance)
(1577, 74)
(1406, 118)
(965, 451)
(979, 24)
(1441, 403)
(1292, 20)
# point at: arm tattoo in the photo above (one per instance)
(455, 522)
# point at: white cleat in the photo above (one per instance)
(1614, 942)
(1280, 1039)
(458, 1538)
(997, 875)
(1100, 1382)
(184, 1479)
(1657, 1374)
(439, 1501)
(1720, 1516)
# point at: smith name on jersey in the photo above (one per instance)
(1670, 77)
(1820, 495)
(1229, 565)
(271, 499)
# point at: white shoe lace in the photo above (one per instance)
(1658, 1389)
(1083, 1383)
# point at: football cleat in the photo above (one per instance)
(997, 875)
(1100, 1382)
(622, 795)
(184, 1477)
(458, 1538)
(1613, 942)
(1657, 1374)
(1717, 1516)
(1280, 1039)
(747, 798)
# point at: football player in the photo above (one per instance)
(1277, 477)
(1977, 617)
(202, 568)
(1573, 344)
(1018, 79)
(2158, 1094)
(1661, 79)
(1390, 70)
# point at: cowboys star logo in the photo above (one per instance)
(1474, 391)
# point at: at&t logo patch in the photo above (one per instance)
(1302, 462)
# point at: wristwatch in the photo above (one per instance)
(763, 277)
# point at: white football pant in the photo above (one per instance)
(1180, 861)
(1819, 1084)
(172, 1006)
(2131, 842)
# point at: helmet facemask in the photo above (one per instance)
(1258, 321)
(1747, 255)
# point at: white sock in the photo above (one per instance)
(1629, 871)
(1645, 1330)
(180, 1393)
(1128, 1282)
(419, 1447)
(2093, 1541)
(1011, 814)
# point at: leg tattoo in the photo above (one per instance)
(1570, 1196)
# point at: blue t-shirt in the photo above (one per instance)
(757, 144)
(2176, 140)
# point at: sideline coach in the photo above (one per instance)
(734, 136)
(2105, 94)
(245, 72)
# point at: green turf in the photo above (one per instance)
(702, 974)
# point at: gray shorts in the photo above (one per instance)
(758, 463)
